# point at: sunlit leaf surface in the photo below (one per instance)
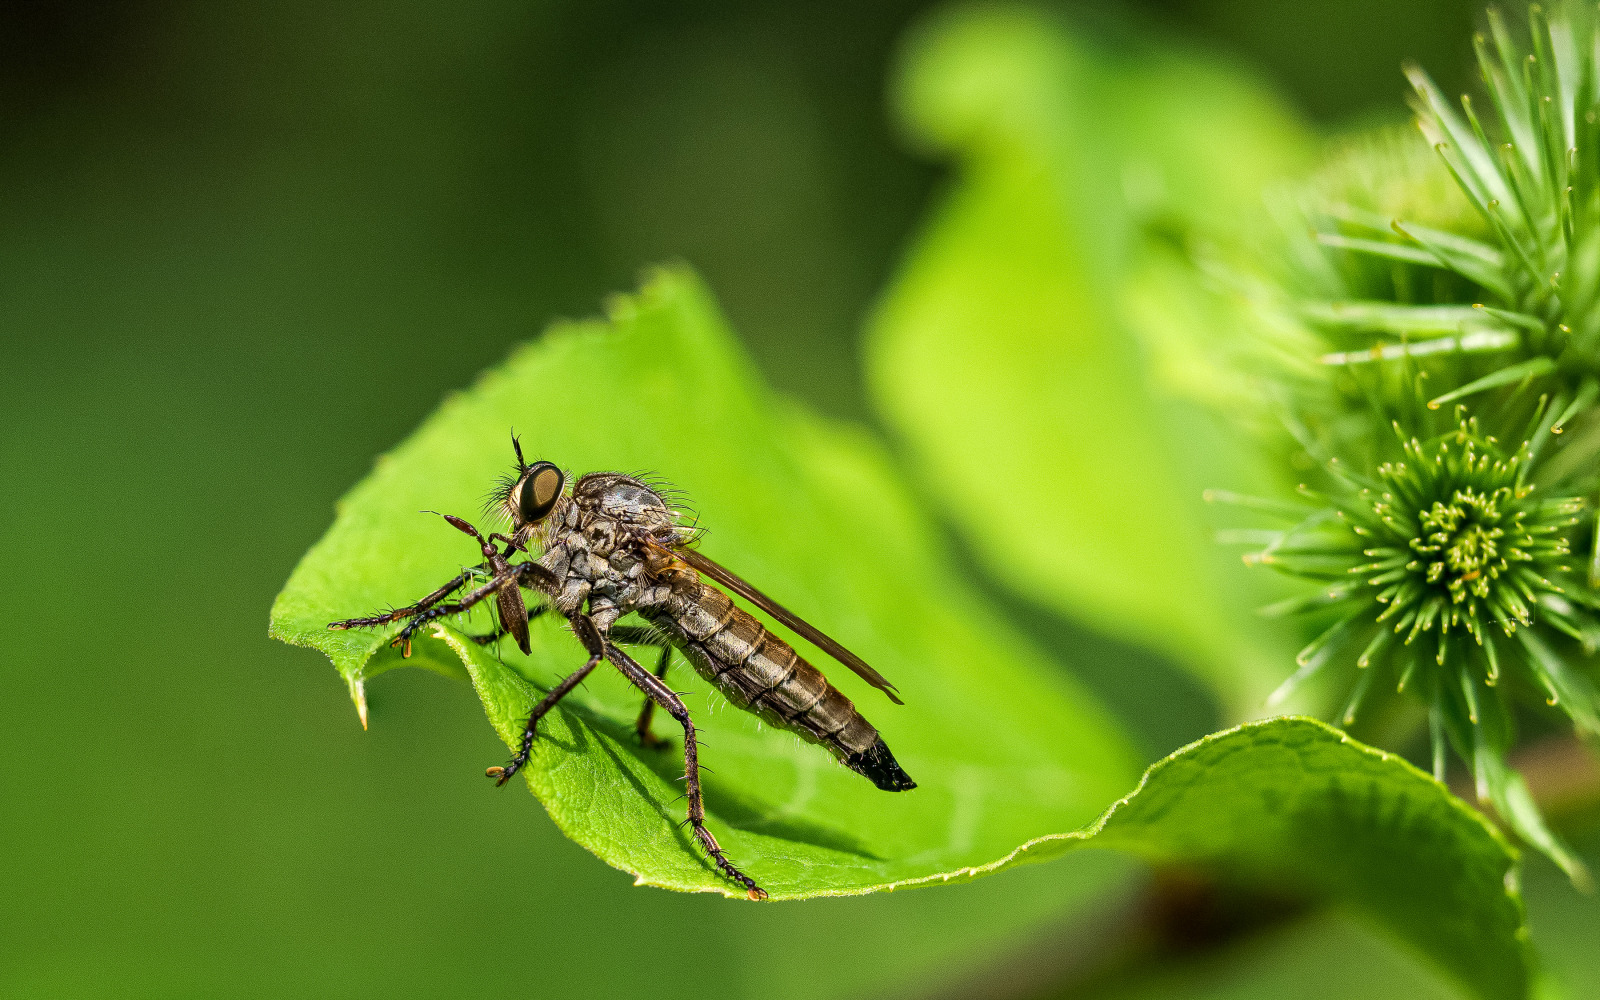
(1013, 761)
(1004, 747)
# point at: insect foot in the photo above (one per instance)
(501, 775)
(752, 891)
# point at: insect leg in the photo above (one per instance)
(592, 641)
(422, 618)
(502, 631)
(525, 748)
(423, 606)
(527, 575)
(634, 636)
(668, 699)
(465, 526)
(406, 612)
(535, 577)
(511, 544)
(484, 640)
(642, 724)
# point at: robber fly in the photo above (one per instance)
(612, 546)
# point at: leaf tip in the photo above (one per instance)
(358, 694)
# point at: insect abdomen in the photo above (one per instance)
(761, 673)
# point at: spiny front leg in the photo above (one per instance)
(587, 634)
(390, 617)
(647, 739)
(669, 700)
(421, 618)
(508, 598)
(492, 556)
(424, 610)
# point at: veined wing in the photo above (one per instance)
(811, 633)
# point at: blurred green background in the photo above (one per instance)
(243, 251)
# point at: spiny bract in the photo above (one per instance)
(1461, 568)
(1448, 542)
(1445, 572)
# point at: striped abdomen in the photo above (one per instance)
(761, 673)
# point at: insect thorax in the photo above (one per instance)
(605, 544)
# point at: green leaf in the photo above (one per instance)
(1059, 377)
(1289, 803)
(1292, 801)
(1004, 746)
(1012, 759)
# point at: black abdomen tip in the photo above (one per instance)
(879, 765)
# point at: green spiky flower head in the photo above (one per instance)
(1454, 555)
(1454, 551)
(1450, 549)
(1506, 267)
(1447, 573)
(1460, 542)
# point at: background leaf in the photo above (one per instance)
(1294, 801)
(1004, 746)
(1048, 364)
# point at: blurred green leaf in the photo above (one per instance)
(1060, 376)
(1328, 956)
(1566, 924)
(1004, 747)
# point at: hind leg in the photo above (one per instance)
(632, 636)
(667, 699)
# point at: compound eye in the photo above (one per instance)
(541, 487)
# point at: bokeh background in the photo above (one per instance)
(244, 249)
